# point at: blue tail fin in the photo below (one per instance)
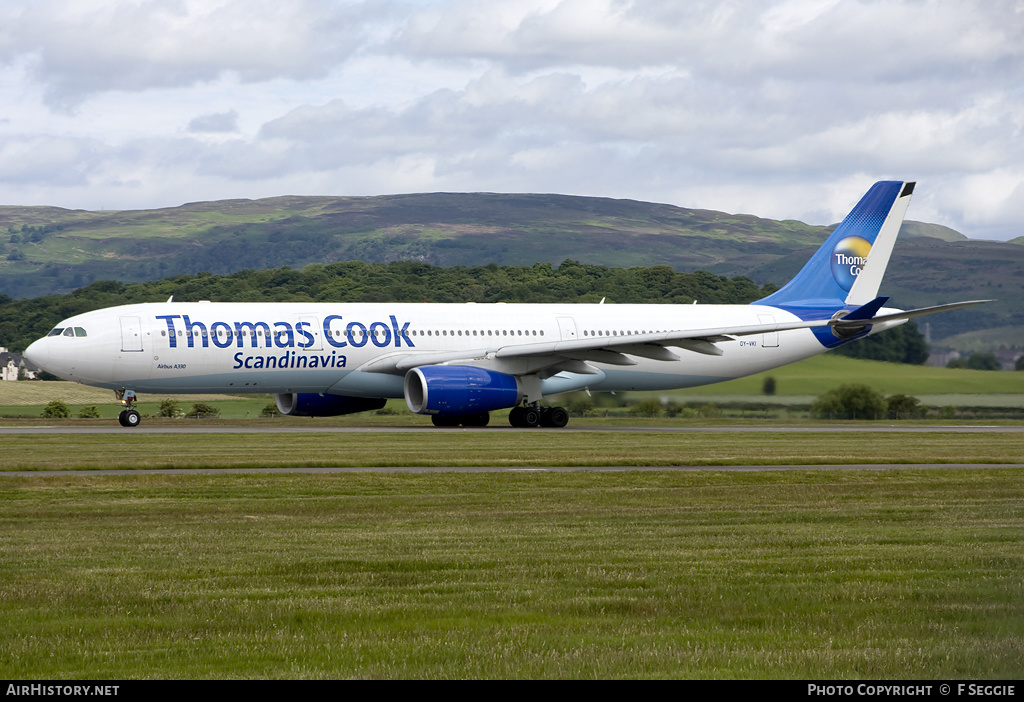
(848, 268)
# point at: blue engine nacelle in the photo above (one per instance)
(311, 404)
(459, 390)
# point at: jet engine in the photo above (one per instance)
(311, 404)
(459, 390)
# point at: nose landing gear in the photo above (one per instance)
(128, 417)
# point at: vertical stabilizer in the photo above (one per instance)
(866, 284)
(848, 267)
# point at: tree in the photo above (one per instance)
(902, 344)
(983, 361)
(851, 401)
(904, 407)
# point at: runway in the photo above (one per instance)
(279, 429)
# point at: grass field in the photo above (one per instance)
(797, 384)
(503, 448)
(901, 574)
(798, 574)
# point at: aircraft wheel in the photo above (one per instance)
(480, 419)
(129, 418)
(515, 417)
(556, 417)
(530, 417)
(445, 420)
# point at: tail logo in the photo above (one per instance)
(848, 257)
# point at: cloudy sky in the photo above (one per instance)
(787, 109)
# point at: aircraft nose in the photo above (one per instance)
(38, 353)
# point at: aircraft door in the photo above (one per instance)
(311, 326)
(769, 339)
(131, 334)
(567, 327)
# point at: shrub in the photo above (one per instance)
(651, 407)
(201, 410)
(56, 409)
(710, 411)
(89, 412)
(269, 410)
(579, 404)
(169, 408)
(850, 401)
(904, 407)
(768, 388)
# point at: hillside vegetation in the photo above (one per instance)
(49, 250)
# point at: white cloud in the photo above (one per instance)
(784, 109)
(217, 122)
(83, 47)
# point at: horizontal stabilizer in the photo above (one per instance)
(850, 321)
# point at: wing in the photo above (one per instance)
(573, 355)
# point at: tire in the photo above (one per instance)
(515, 417)
(445, 420)
(531, 417)
(480, 419)
(556, 417)
(130, 419)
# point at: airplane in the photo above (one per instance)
(460, 362)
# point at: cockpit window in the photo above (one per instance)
(68, 331)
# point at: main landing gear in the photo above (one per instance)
(535, 416)
(527, 416)
(128, 417)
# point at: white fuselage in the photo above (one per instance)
(327, 347)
